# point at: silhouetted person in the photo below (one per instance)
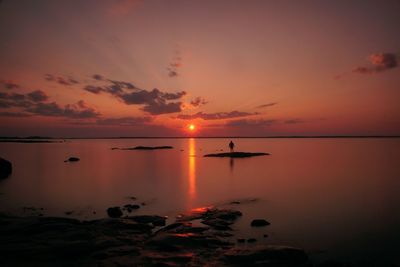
(231, 146)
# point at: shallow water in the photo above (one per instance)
(337, 198)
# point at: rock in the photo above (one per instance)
(273, 255)
(265, 235)
(72, 159)
(251, 240)
(241, 240)
(5, 168)
(130, 207)
(237, 154)
(259, 223)
(153, 219)
(114, 212)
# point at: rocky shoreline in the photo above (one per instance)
(201, 237)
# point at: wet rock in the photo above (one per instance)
(155, 220)
(259, 223)
(241, 240)
(131, 207)
(236, 154)
(72, 159)
(265, 235)
(251, 240)
(114, 212)
(218, 224)
(273, 255)
(5, 168)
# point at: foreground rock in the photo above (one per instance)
(72, 159)
(5, 168)
(135, 241)
(236, 154)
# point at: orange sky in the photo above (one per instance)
(232, 68)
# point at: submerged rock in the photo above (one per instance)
(236, 154)
(5, 168)
(72, 159)
(153, 219)
(268, 255)
(114, 212)
(259, 223)
(131, 207)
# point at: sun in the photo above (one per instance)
(192, 127)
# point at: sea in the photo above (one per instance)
(338, 198)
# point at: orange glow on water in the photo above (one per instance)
(192, 168)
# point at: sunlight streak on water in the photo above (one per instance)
(192, 169)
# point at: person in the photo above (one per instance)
(231, 145)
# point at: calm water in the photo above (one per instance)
(337, 198)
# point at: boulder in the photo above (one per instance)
(5, 168)
(72, 159)
(259, 223)
(114, 212)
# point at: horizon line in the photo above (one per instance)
(206, 137)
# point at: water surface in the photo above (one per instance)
(337, 198)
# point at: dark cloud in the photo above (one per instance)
(14, 114)
(94, 89)
(36, 103)
(175, 64)
(75, 111)
(38, 96)
(9, 84)
(158, 108)
(97, 77)
(155, 101)
(216, 116)
(124, 121)
(198, 101)
(380, 62)
(67, 81)
(251, 123)
(267, 105)
(294, 121)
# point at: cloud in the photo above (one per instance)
(216, 116)
(154, 102)
(97, 77)
(75, 111)
(267, 105)
(9, 84)
(198, 101)
(294, 121)
(175, 64)
(94, 89)
(251, 123)
(14, 114)
(124, 121)
(68, 81)
(38, 96)
(380, 62)
(36, 103)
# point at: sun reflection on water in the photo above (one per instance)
(192, 169)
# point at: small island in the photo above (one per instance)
(236, 154)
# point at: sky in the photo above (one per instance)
(119, 68)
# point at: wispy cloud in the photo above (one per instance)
(8, 84)
(216, 116)
(267, 105)
(379, 62)
(176, 63)
(198, 101)
(67, 81)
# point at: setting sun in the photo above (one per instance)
(192, 127)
